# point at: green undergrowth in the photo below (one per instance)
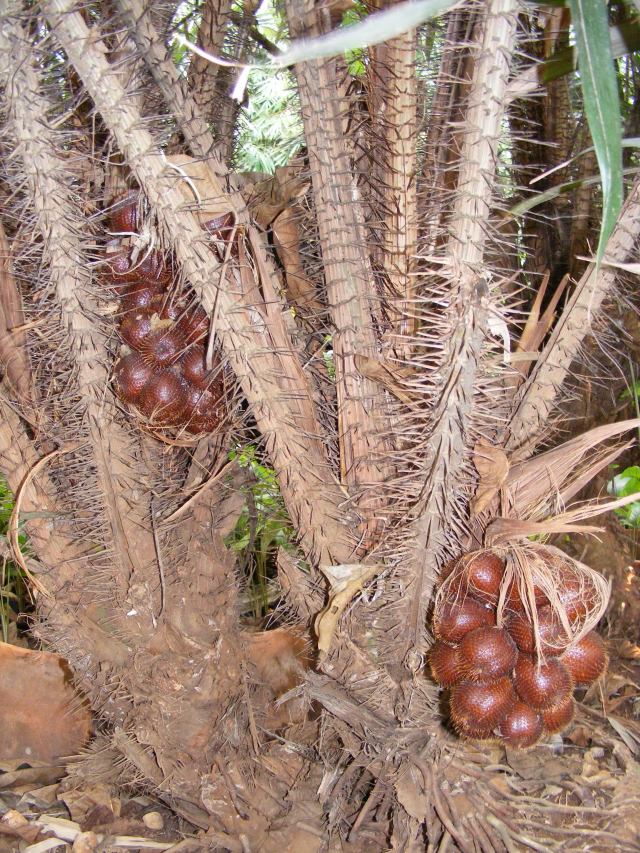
(14, 598)
(621, 485)
(627, 481)
(262, 528)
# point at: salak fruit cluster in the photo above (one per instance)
(162, 371)
(500, 687)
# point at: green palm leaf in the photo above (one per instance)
(602, 105)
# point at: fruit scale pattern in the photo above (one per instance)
(502, 685)
(162, 369)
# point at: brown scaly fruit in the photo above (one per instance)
(152, 269)
(513, 601)
(115, 272)
(476, 709)
(149, 268)
(123, 214)
(163, 399)
(578, 595)
(483, 574)
(204, 411)
(194, 369)
(456, 618)
(486, 654)
(136, 326)
(443, 660)
(542, 685)
(168, 307)
(586, 660)
(162, 347)
(558, 718)
(131, 375)
(221, 228)
(195, 324)
(140, 294)
(522, 726)
(553, 637)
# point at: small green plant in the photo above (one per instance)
(627, 482)
(633, 391)
(13, 591)
(262, 528)
(327, 356)
(621, 485)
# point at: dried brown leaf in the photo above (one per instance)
(411, 794)
(530, 420)
(541, 484)
(15, 825)
(391, 376)
(287, 237)
(350, 585)
(196, 187)
(492, 465)
(81, 802)
(537, 326)
(630, 739)
(505, 529)
(628, 650)
(269, 195)
(540, 766)
(41, 715)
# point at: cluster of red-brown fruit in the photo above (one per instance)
(162, 371)
(500, 686)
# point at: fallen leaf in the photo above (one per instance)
(85, 842)
(628, 650)
(42, 717)
(538, 325)
(391, 376)
(538, 765)
(25, 779)
(327, 621)
(492, 465)
(80, 802)
(197, 185)
(411, 794)
(42, 798)
(15, 825)
(631, 739)
(287, 238)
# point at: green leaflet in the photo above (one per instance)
(373, 29)
(625, 483)
(553, 192)
(602, 105)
